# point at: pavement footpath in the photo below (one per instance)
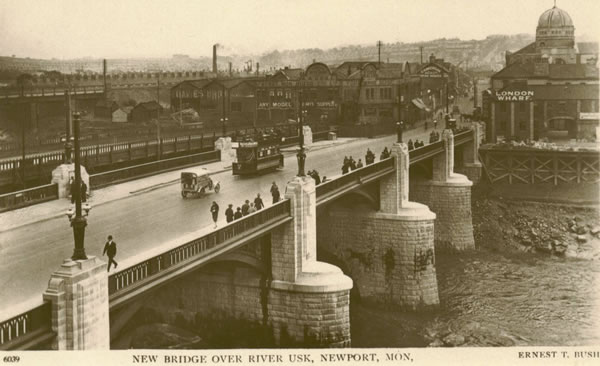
(49, 210)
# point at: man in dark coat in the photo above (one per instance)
(410, 144)
(238, 214)
(275, 193)
(110, 249)
(229, 213)
(214, 210)
(83, 191)
(245, 208)
(258, 202)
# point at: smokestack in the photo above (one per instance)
(215, 58)
(257, 68)
(104, 73)
(230, 72)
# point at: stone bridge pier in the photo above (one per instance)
(309, 300)
(448, 194)
(388, 252)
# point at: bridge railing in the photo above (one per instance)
(463, 136)
(355, 176)
(129, 278)
(26, 327)
(28, 197)
(155, 167)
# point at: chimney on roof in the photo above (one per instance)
(230, 72)
(214, 58)
(257, 68)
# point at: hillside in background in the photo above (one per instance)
(480, 54)
(486, 54)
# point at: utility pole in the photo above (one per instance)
(23, 153)
(68, 145)
(158, 88)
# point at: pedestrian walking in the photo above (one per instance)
(352, 163)
(110, 249)
(238, 214)
(410, 144)
(275, 192)
(229, 213)
(83, 191)
(435, 124)
(245, 208)
(214, 210)
(345, 167)
(359, 164)
(258, 202)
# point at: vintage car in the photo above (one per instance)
(198, 183)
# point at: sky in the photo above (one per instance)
(66, 29)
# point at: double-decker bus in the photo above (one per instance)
(257, 154)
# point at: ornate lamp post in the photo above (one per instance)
(78, 222)
(399, 128)
(68, 138)
(301, 155)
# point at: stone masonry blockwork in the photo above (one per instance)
(451, 203)
(390, 258)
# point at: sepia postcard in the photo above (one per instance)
(277, 182)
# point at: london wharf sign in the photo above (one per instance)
(514, 95)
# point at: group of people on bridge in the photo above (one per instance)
(245, 209)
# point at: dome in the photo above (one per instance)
(555, 17)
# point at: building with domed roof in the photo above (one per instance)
(548, 89)
(554, 41)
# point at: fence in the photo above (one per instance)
(28, 197)
(26, 328)
(536, 166)
(99, 158)
(138, 171)
(129, 278)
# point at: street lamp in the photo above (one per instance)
(224, 124)
(78, 222)
(301, 156)
(399, 128)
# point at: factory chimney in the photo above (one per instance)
(257, 68)
(230, 72)
(104, 74)
(215, 58)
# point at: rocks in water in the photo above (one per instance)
(453, 340)
(581, 239)
(436, 343)
(595, 230)
(580, 230)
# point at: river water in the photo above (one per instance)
(495, 299)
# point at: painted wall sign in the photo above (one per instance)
(181, 93)
(514, 95)
(431, 72)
